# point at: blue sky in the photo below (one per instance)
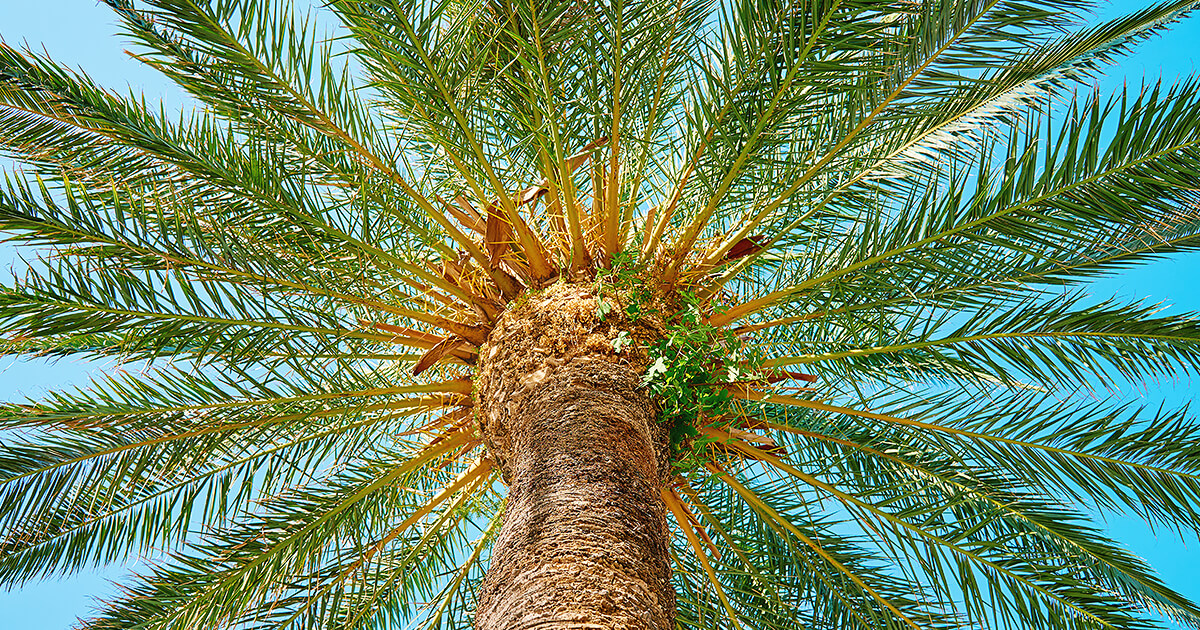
(81, 33)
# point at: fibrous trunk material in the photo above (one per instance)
(564, 415)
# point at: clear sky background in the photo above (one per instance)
(82, 33)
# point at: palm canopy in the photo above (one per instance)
(869, 220)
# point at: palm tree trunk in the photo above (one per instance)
(584, 539)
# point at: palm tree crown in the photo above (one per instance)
(840, 242)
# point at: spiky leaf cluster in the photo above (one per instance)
(884, 214)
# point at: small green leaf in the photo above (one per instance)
(621, 342)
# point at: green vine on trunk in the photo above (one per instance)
(690, 367)
(622, 286)
(689, 373)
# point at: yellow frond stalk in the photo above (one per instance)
(462, 571)
(763, 508)
(676, 507)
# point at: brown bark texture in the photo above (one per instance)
(584, 539)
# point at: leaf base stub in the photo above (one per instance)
(539, 340)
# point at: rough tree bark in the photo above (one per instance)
(584, 539)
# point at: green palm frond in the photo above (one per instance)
(126, 464)
(322, 539)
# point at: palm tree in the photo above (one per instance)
(602, 315)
